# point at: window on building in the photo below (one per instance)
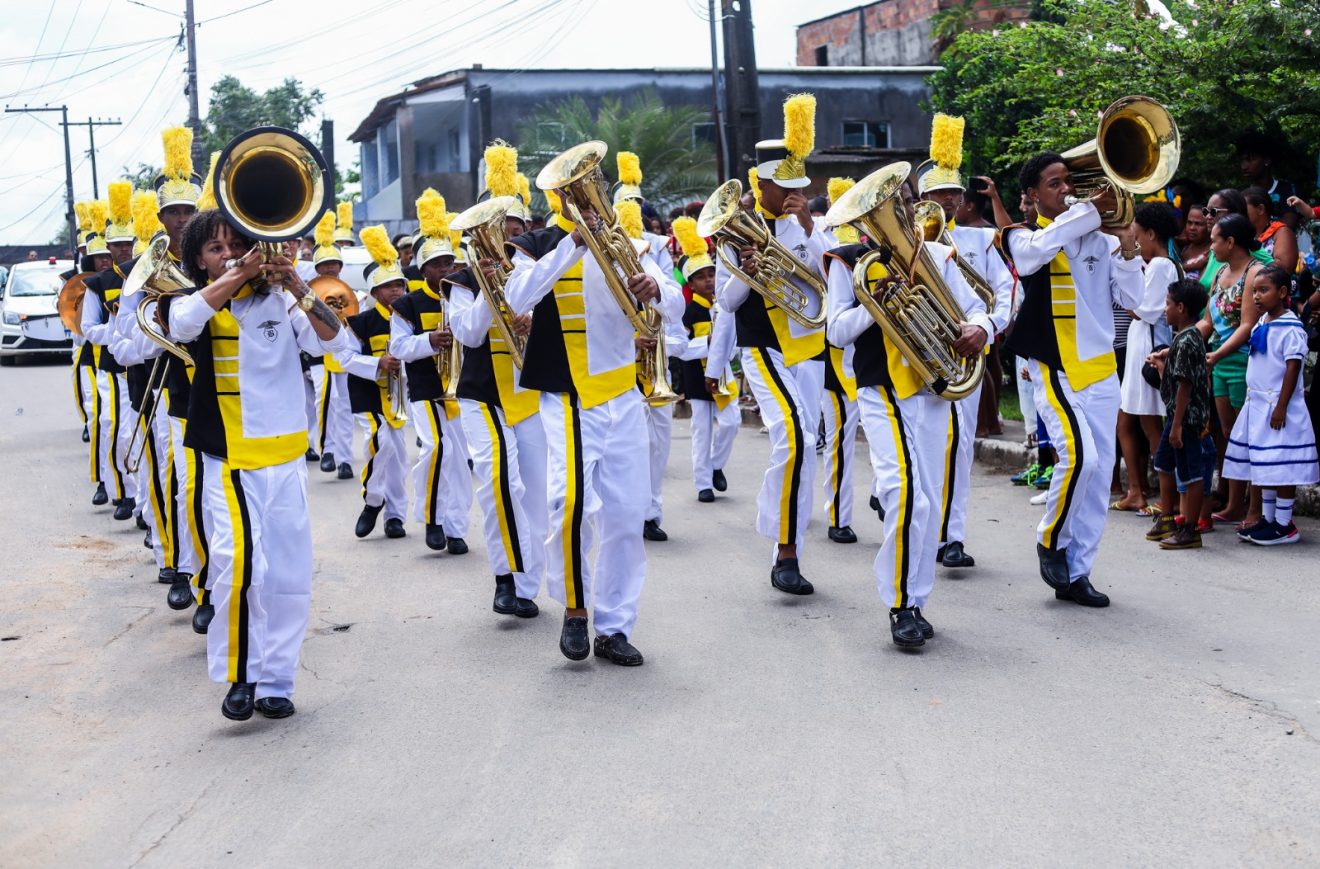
(389, 153)
(865, 134)
(703, 135)
(822, 55)
(455, 146)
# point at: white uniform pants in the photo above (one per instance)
(841, 417)
(442, 480)
(155, 477)
(334, 416)
(713, 431)
(84, 380)
(113, 433)
(596, 482)
(509, 473)
(261, 572)
(907, 437)
(958, 455)
(659, 432)
(384, 466)
(789, 399)
(311, 405)
(1082, 426)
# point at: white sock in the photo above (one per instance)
(1267, 504)
(1283, 512)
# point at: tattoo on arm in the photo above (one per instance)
(321, 311)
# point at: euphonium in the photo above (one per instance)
(576, 176)
(917, 313)
(1135, 151)
(930, 219)
(484, 225)
(781, 277)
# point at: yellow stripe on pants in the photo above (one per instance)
(787, 503)
(904, 515)
(503, 509)
(1070, 444)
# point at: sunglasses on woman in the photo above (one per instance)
(1213, 213)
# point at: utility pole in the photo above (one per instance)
(743, 105)
(91, 139)
(328, 152)
(68, 171)
(194, 115)
(715, 95)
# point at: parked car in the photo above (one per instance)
(29, 323)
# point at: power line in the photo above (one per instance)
(108, 63)
(235, 12)
(100, 49)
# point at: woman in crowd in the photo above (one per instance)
(1275, 237)
(1195, 241)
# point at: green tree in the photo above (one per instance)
(675, 170)
(1222, 69)
(143, 176)
(234, 107)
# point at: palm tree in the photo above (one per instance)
(675, 169)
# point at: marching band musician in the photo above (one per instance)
(906, 428)
(1071, 270)
(979, 248)
(781, 358)
(582, 357)
(838, 409)
(245, 417)
(334, 412)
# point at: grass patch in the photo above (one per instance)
(1008, 404)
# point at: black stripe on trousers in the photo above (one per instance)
(433, 493)
(1075, 448)
(373, 450)
(114, 437)
(245, 583)
(157, 491)
(909, 497)
(204, 555)
(796, 485)
(172, 551)
(579, 497)
(952, 473)
(324, 415)
(840, 411)
(506, 496)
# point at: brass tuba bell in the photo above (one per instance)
(1135, 150)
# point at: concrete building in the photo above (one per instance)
(893, 32)
(433, 134)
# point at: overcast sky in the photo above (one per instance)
(355, 52)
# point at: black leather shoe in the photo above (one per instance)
(1053, 566)
(879, 508)
(146, 540)
(843, 535)
(905, 629)
(435, 537)
(955, 556)
(328, 462)
(366, 523)
(618, 650)
(706, 496)
(1080, 591)
(651, 530)
(87, 437)
(507, 602)
(785, 577)
(313, 455)
(456, 545)
(345, 471)
(202, 617)
(179, 597)
(927, 629)
(99, 497)
(124, 510)
(394, 529)
(717, 480)
(573, 638)
(141, 523)
(238, 702)
(166, 575)
(275, 707)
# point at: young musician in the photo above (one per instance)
(1072, 272)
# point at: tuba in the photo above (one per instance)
(781, 278)
(1135, 151)
(484, 225)
(930, 218)
(576, 176)
(917, 313)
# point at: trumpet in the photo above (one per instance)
(397, 393)
(722, 389)
(449, 362)
(781, 278)
(1135, 151)
(930, 219)
(484, 225)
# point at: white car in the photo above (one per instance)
(30, 325)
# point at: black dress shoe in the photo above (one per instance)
(87, 437)
(202, 617)
(705, 496)
(238, 702)
(927, 629)
(124, 510)
(328, 462)
(275, 707)
(905, 629)
(394, 529)
(435, 537)
(651, 530)
(1080, 591)
(843, 535)
(507, 602)
(99, 497)
(573, 638)
(166, 575)
(141, 523)
(345, 471)
(313, 455)
(785, 577)
(366, 523)
(456, 545)
(618, 650)
(146, 540)
(1053, 566)
(954, 556)
(877, 507)
(179, 597)
(718, 481)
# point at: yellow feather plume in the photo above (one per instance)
(325, 230)
(630, 168)
(630, 217)
(552, 198)
(120, 197)
(377, 242)
(754, 182)
(837, 187)
(84, 219)
(178, 152)
(96, 214)
(145, 221)
(524, 189)
(344, 211)
(946, 137)
(206, 201)
(455, 236)
(432, 214)
(502, 169)
(800, 124)
(685, 230)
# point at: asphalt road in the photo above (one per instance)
(1179, 726)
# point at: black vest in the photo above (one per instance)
(1033, 335)
(422, 314)
(364, 396)
(694, 370)
(545, 364)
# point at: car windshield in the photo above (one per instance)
(34, 282)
